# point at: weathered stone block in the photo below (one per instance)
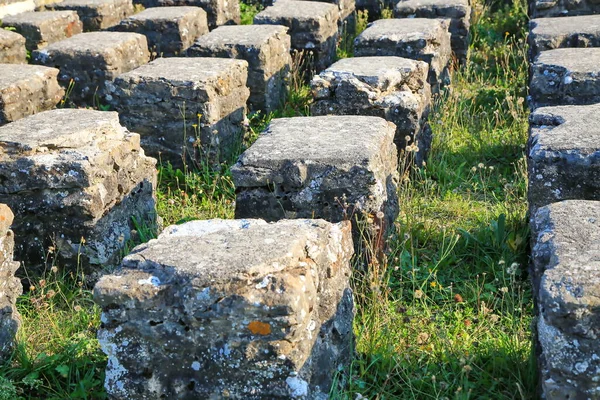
(237, 309)
(565, 76)
(10, 287)
(27, 89)
(566, 277)
(416, 38)
(43, 28)
(75, 180)
(88, 60)
(554, 33)
(346, 10)
(335, 168)
(219, 12)
(12, 7)
(457, 11)
(97, 14)
(169, 30)
(564, 154)
(558, 8)
(392, 88)
(313, 27)
(185, 107)
(12, 48)
(266, 48)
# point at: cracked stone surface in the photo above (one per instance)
(43, 28)
(266, 48)
(415, 38)
(12, 48)
(392, 88)
(97, 15)
(80, 165)
(238, 309)
(26, 90)
(211, 92)
(566, 277)
(10, 287)
(169, 30)
(564, 154)
(219, 12)
(555, 33)
(90, 60)
(561, 8)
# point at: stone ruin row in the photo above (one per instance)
(564, 194)
(277, 320)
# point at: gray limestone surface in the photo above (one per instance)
(97, 14)
(555, 33)
(564, 154)
(46, 27)
(565, 76)
(562, 8)
(88, 60)
(420, 39)
(185, 108)
(266, 48)
(75, 180)
(566, 276)
(219, 12)
(237, 309)
(12, 48)
(169, 30)
(26, 90)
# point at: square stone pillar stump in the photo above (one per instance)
(97, 14)
(566, 271)
(26, 90)
(10, 287)
(43, 28)
(313, 27)
(219, 12)
(237, 309)
(335, 167)
(556, 33)
(392, 88)
(266, 48)
(75, 180)
(416, 38)
(565, 76)
(169, 30)
(564, 154)
(12, 48)
(185, 108)
(88, 60)
(457, 11)
(562, 8)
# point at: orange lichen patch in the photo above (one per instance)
(259, 328)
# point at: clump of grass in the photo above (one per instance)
(248, 11)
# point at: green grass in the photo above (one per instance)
(448, 315)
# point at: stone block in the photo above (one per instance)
(43, 28)
(75, 180)
(236, 309)
(169, 30)
(219, 12)
(10, 287)
(564, 154)
(12, 48)
(26, 90)
(561, 8)
(555, 33)
(566, 277)
(416, 38)
(457, 11)
(97, 14)
(313, 27)
(185, 108)
(266, 48)
(565, 76)
(346, 8)
(392, 88)
(88, 60)
(13, 7)
(333, 167)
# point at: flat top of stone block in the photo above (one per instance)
(7, 36)
(573, 59)
(92, 41)
(298, 10)
(10, 74)
(566, 128)
(165, 13)
(343, 141)
(217, 251)
(184, 69)
(402, 29)
(35, 17)
(411, 5)
(375, 71)
(57, 129)
(563, 26)
(248, 35)
(86, 3)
